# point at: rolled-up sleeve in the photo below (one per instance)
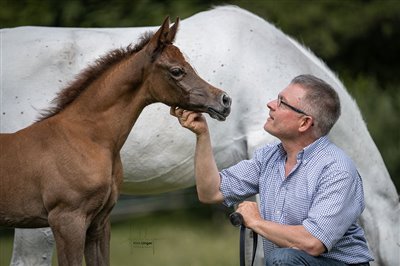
(336, 206)
(241, 181)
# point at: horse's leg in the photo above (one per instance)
(97, 245)
(32, 247)
(69, 229)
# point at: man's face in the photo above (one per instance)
(285, 113)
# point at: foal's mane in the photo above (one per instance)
(67, 95)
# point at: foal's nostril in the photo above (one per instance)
(226, 100)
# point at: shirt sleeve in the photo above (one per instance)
(241, 181)
(337, 205)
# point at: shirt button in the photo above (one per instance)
(278, 212)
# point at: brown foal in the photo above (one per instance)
(64, 171)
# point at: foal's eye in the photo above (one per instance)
(176, 72)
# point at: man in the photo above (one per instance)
(311, 194)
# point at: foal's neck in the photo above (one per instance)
(111, 104)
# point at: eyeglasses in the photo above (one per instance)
(280, 102)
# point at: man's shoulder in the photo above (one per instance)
(330, 154)
(327, 147)
(338, 154)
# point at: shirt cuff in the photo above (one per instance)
(314, 230)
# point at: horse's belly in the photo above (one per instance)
(25, 221)
(160, 169)
(21, 208)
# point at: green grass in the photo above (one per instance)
(6, 237)
(198, 236)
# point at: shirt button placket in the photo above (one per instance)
(280, 201)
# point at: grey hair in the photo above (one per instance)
(321, 101)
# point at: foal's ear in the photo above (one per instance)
(172, 31)
(158, 41)
(162, 37)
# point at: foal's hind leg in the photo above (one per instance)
(97, 246)
(69, 231)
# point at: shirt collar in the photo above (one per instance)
(314, 148)
(308, 152)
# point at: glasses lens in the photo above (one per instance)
(280, 102)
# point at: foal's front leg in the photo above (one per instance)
(97, 246)
(69, 229)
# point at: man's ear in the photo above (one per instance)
(306, 123)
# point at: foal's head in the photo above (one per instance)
(171, 80)
(163, 73)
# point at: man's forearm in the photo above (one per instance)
(285, 236)
(291, 236)
(206, 171)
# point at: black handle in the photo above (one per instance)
(236, 219)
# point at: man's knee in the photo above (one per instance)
(287, 256)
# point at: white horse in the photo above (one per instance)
(231, 48)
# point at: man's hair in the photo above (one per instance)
(321, 101)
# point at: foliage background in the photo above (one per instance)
(358, 39)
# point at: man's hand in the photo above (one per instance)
(193, 121)
(249, 211)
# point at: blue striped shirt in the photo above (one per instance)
(323, 192)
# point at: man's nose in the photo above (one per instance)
(272, 104)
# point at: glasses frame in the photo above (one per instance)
(297, 110)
